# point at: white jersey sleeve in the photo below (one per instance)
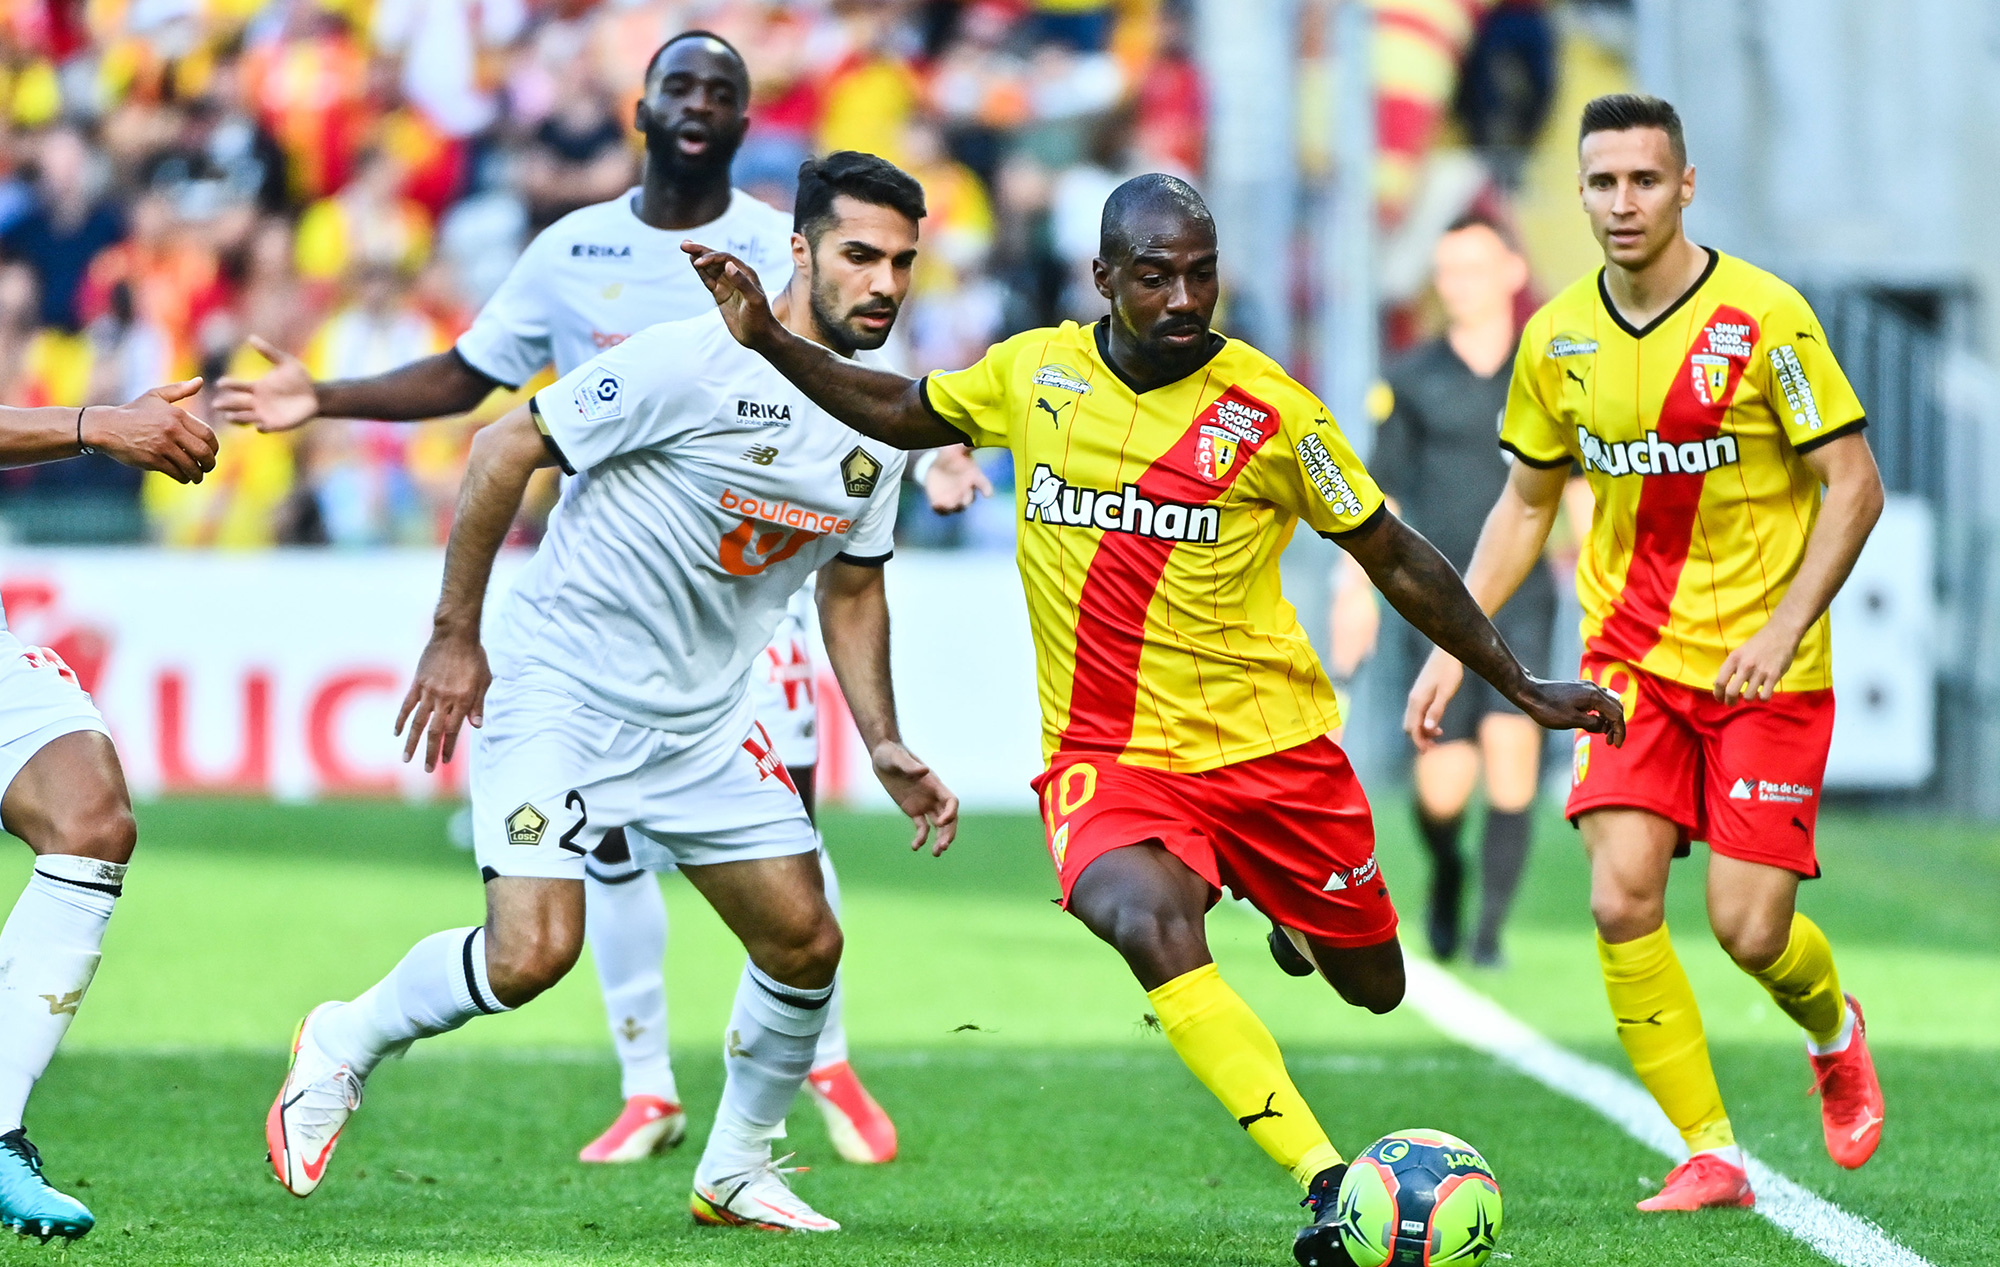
(510, 340)
(645, 393)
(873, 538)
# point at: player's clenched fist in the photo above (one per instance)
(153, 433)
(279, 401)
(921, 794)
(449, 690)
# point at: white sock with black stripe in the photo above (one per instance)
(440, 985)
(48, 953)
(767, 1050)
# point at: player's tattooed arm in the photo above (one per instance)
(1846, 466)
(878, 404)
(450, 685)
(854, 619)
(1421, 584)
(287, 397)
(1510, 546)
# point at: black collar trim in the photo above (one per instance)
(1101, 331)
(1611, 309)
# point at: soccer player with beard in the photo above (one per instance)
(1734, 490)
(62, 791)
(706, 491)
(582, 286)
(1185, 717)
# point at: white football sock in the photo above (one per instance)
(1731, 1153)
(48, 954)
(768, 1051)
(833, 1039)
(440, 985)
(626, 924)
(1840, 1040)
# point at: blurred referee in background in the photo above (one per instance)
(1438, 458)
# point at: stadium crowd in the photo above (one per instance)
(350, 179)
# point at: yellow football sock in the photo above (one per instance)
(1232, 1053)
(1660, 1026)
(1803, 982)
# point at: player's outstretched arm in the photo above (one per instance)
(854, 618)
(878, 404)
(1422, 585)
(152, 433)
(287, 397)
(1853, 503)
(1510, 546)
(450, 686)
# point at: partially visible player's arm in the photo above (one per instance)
(1510, 546)
(1420, 583)
(1853, 503)
(435, 387)
(450, 686)
(854, 620)
(878, 404)
(152, 433)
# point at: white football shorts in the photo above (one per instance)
(551, 775)
(40, 701)
(782, 693)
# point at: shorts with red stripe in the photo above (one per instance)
(1290, 833)
(1744, 777)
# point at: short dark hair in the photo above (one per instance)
(1144, 195)
(1480, 220)
(863, 177)
(1620, 111)
(653, 63)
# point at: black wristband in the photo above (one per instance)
(83, 450)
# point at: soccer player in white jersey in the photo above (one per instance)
(63, 792)
(707, 490)
(584, 285)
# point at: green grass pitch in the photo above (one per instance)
(1042, 1121)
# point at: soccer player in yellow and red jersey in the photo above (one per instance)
(1185, 718)
(1698, 395)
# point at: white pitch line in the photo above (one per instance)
(1469, 1017)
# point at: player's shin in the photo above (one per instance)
(625, 920)
(49, 952)
(437, 987)
(1659, 1025)
(1805, 985)
(767, 1052)
(832, 1039)
(1227, 1047)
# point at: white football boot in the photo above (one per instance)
(757, 1197)
(312, 1107)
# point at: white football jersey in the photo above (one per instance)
(600, 274)
(707, 490)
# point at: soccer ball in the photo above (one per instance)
(1418, 1198)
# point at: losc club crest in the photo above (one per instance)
(858, 471)
(526, 825)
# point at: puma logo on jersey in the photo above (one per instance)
(1575, 377)
(1654, 456)
(759, 411)
(593, 251)
(1052, 501)
(1053, 411)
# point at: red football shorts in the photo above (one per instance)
(1290, 832)
(1743, 777)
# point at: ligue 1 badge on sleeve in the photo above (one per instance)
(600, 397)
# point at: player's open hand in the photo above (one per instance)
(1423, 716)
(449, 690)
(154, 433)
(1753, 670)
(282, 399)
(745, 309)
(1574, 706)
(921, 794)
(955, 481)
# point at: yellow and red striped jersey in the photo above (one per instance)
(1690, 431)
(1150, 529)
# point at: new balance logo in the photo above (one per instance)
(1261, 1114)
(1052, 501)
(761, 454)
(1654, 456)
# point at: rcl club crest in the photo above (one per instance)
(1235, 419)
(1720, 352)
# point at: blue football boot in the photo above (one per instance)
(28, 1204)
